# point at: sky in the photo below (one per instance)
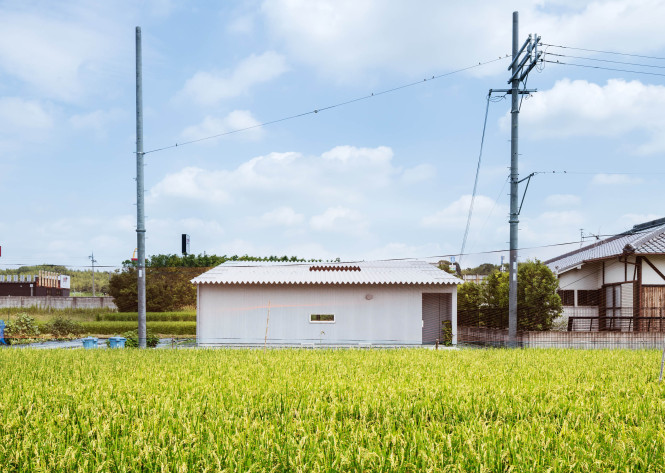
(387, 177)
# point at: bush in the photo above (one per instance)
(185, 316)
(132, 337)
(24, 328)
(62, 327)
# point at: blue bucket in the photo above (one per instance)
(117, 342)
(89, 342)
(2, 333)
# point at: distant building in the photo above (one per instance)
(366, 303)
(617, 283)
(45, 283)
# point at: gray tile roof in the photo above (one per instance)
(412, 272)
(644, 239)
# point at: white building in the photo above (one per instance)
(377, 303)
(617, 283)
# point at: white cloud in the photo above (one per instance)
(344, 175)
(211, 126)
(348, 38)
(582, 108)
(615, 179)
(339, 220)
(97, 121)
(23, 116)
(63, 53)
(562, 200)
(419, 173)
(281, 216)
(209, 88)
(455, 214)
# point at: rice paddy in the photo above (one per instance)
(331, 410)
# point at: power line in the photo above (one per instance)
(475, 183)
(586, 58)
(604, 52)
(604, 68)
(329, 107)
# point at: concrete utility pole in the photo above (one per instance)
(514, 176)
(140, 215)
(93, 261)
(519, 68)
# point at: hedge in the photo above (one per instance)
(187, 316)
(120, 327)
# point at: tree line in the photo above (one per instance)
(168, 279)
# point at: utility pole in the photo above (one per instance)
(140, 215)
(93, 261)
(519, 69)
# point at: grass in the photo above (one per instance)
(331, 410)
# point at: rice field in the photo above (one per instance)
(331, 410)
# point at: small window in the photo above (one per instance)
(322, 318)
(587, 298)
(567, 297)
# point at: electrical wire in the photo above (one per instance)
(475, 183)
(607, 60)
(604, 52)
(604, 68)
(329, 107)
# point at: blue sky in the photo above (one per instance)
(388, 177)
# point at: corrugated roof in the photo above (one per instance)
(643, 239)
(364, 272)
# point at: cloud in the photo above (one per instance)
(419, 173)
(209, 88)
(339, 220)
(281, 216)
(455, 214)
(18, 115)
(562, 200)
(582, 108)
(345, 39)
(211, 126)
(96, 121)
(63, 53)
(615, 179)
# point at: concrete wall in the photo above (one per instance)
(54, 302)
(364, 314)
(475, 335)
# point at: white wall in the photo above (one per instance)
(588, 277)
(649, 276)
(238, 314)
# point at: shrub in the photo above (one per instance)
(62, 327)
(23, 328)
(185, 316)
(132, 337)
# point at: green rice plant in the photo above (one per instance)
(403, 410)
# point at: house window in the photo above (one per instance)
(567, 297)
(587, 298)
(613, 301)
(322, 318)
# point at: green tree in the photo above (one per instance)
(538, 304)
(168, 280)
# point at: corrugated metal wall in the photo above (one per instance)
(436, 309)
(379, 314)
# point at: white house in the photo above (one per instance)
(377, 303)
(617, 283)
